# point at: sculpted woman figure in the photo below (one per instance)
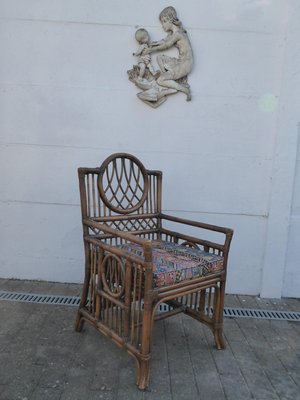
(173, 68)
(172, 77)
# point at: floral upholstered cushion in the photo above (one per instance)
(174, 263)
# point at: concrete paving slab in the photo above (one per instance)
(42, 357)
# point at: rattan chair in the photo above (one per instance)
(135, 261)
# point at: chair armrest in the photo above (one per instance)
(197, 224)
(117, 233)
(220, 229)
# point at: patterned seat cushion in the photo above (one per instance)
(174, 263)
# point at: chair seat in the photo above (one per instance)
(174, 263)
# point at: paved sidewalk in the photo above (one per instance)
(42, 357)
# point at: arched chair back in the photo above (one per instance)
(123, 194)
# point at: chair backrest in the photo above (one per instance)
(122, 194)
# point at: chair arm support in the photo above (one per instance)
(117, 233)
(193, 239)
(115, 250)
(226, 231)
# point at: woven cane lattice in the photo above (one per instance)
(123, 183)
(135, 224)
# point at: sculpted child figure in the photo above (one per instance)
(142, 37)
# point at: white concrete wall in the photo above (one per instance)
(281, 274)
(65, 102)
(291, 282)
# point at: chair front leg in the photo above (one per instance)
(218, 315)
(144, 358)
(143, 372)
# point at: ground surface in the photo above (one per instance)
(42, 357)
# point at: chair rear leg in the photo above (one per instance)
(213, 319)
(79, 320)
(84, 294)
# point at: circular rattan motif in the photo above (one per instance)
(123, 183)
(113, 275)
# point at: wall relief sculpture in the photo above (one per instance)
(171, 77)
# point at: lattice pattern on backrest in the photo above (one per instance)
(126, 190)
(123, 183)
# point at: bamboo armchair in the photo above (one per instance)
(134, 261)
